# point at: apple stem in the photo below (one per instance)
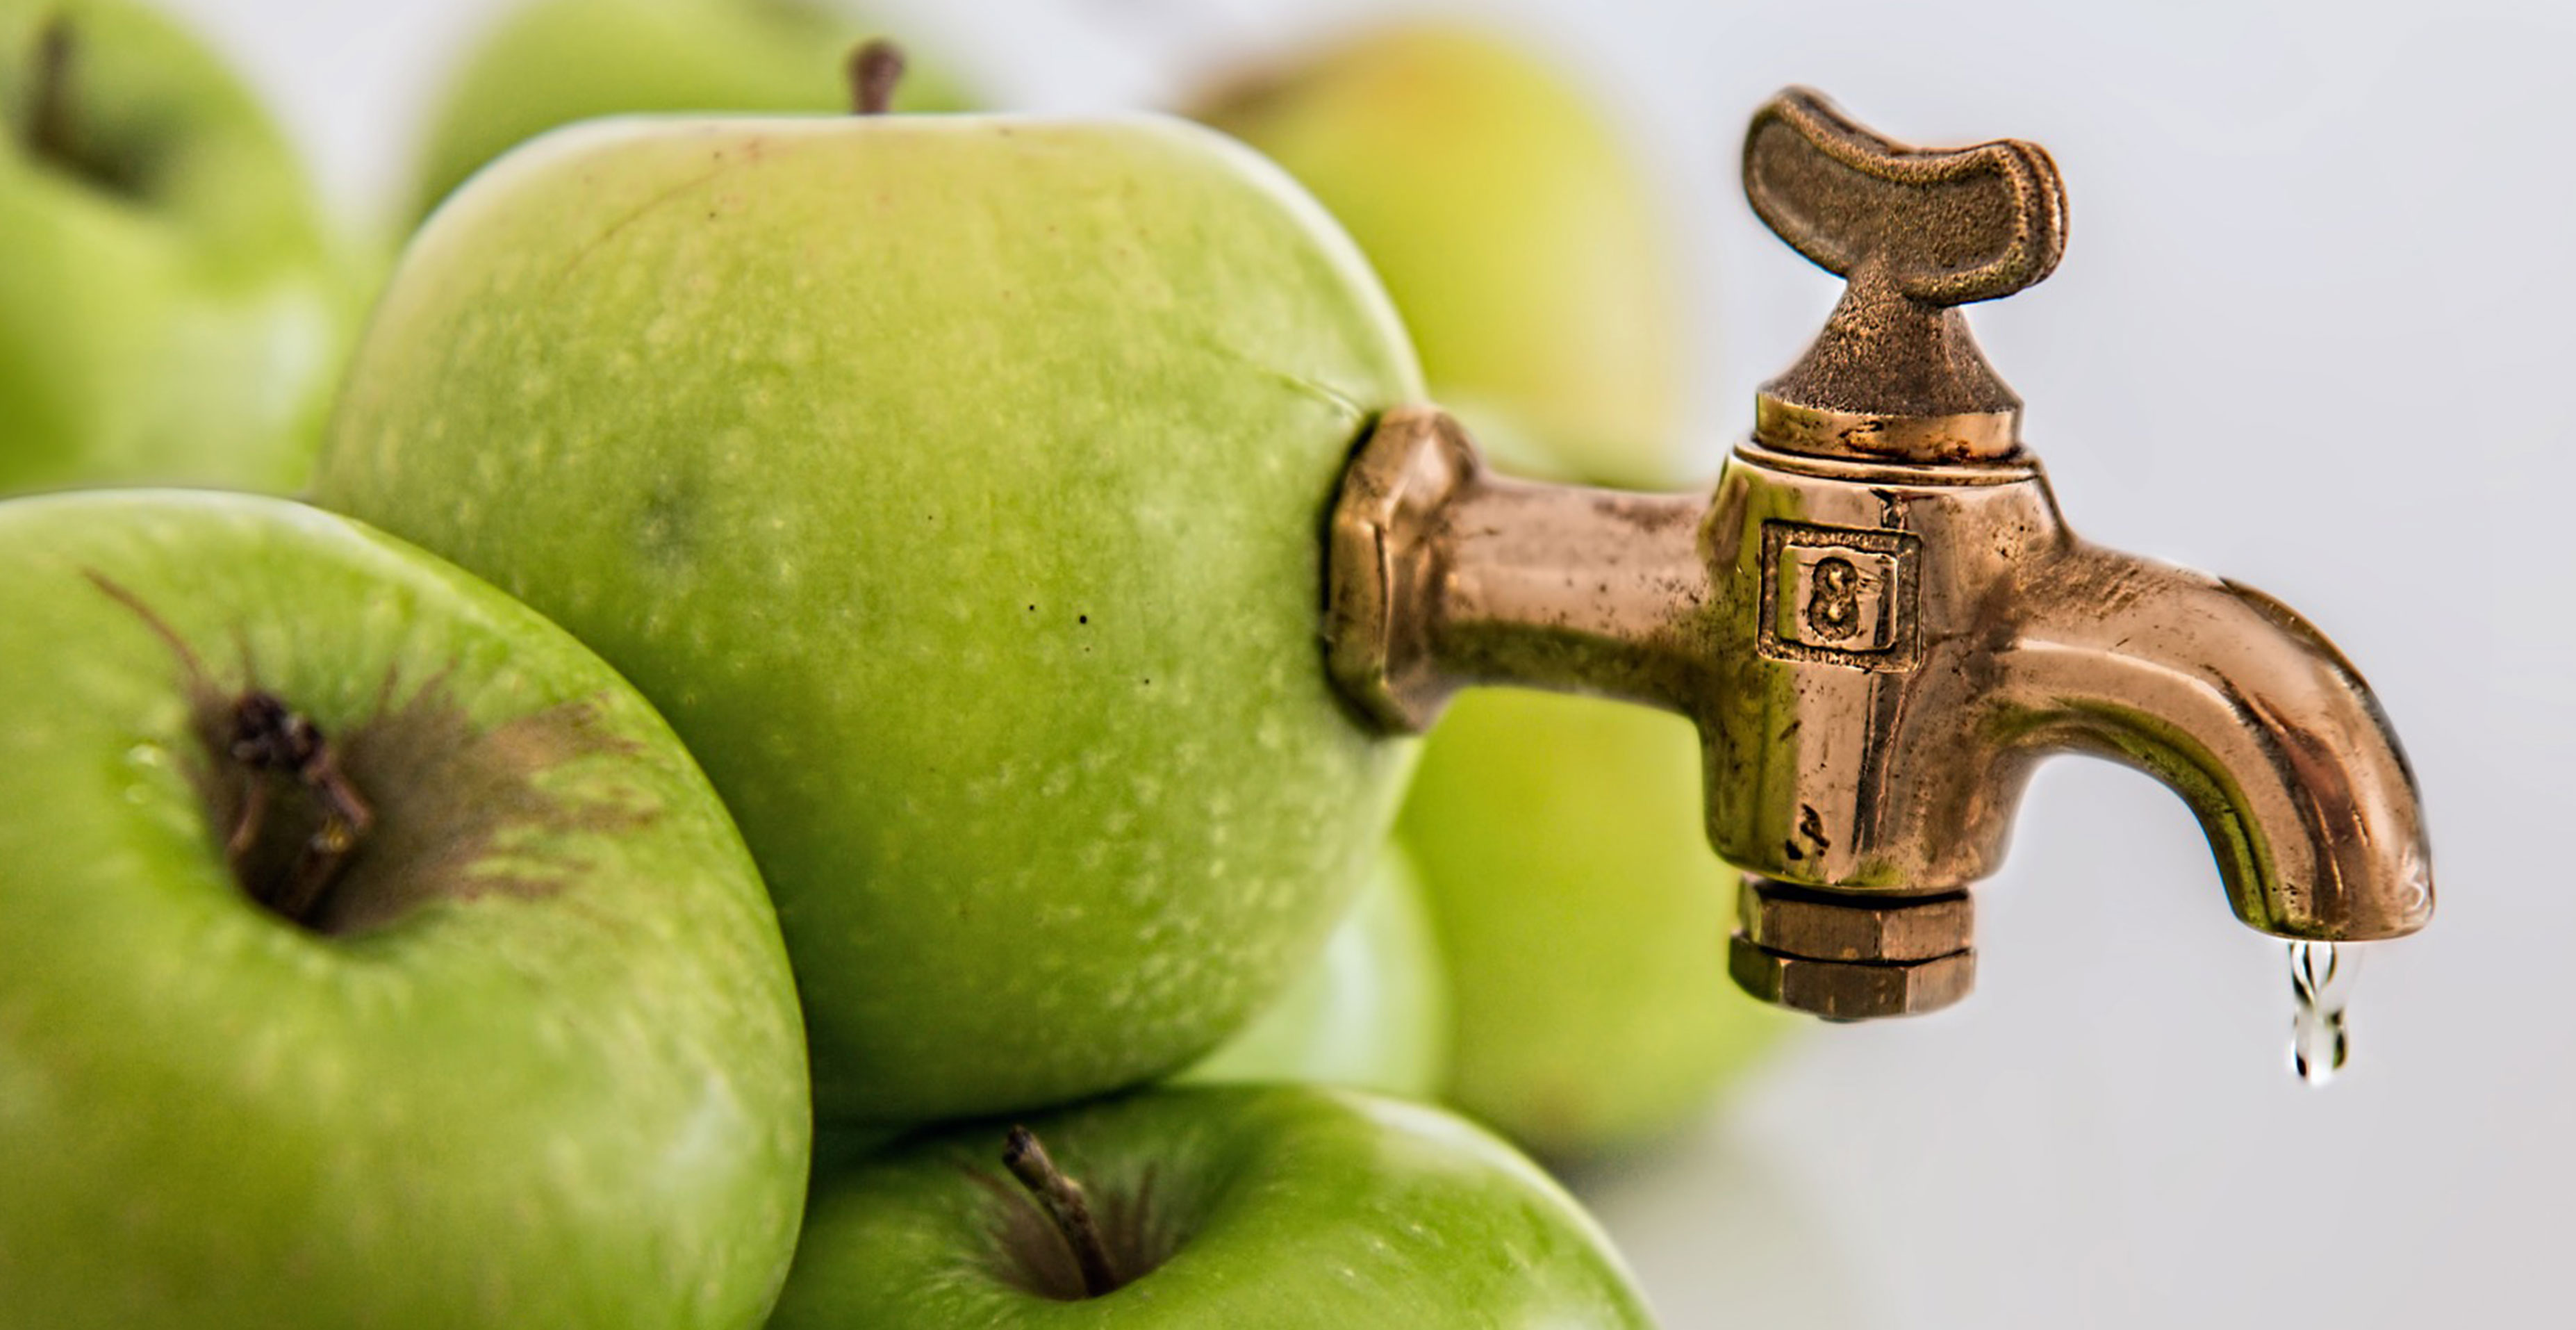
(875, 68)
(1061, 1199)
(49, 109)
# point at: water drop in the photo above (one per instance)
(2320, 990)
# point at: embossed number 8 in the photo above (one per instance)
(1833, 600)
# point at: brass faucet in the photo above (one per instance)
(1879, 622)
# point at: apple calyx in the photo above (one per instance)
(874, 69)
(1067, 1215)
(413, 804)
(273, 744)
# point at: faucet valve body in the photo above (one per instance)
(1879, 622)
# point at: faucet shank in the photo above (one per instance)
(1446, 574)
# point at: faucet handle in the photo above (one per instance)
(1895, 374)
(1947, 226)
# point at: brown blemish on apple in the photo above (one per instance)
(454, 799)
(412, 805)
(1053, 1238)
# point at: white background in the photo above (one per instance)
(2312, 331)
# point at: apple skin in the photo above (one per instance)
(187, 326)
(1525, 247)
(1371, 1012)
(554, 62)
(955, 485)
(1292, 1206)
(576, 1097)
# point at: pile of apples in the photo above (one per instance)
(779, 763)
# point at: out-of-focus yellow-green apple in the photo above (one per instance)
(955, 485)
(1371, 1013)
(554, 62)
(1584, 917)
(370, 953)
(1513, 226)
(172, 306)
(1284, 1207)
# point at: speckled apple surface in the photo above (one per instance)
(572, 1094)
(1287, 1208)
(955, 485)
(1370, 1013)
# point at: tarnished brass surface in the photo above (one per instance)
(1850, 990)
(1895, 374)
(1852, 956)
(1880, 631)
(1838, 926)
(1443, 573)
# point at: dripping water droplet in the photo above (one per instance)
(2320, 990)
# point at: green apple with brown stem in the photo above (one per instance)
(1284, 1207)
(955, 485)
(370, 953)
(1560, 839)
(172, 306)
(553, 62)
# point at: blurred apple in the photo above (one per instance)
(172, 307)
(1584, 916)
(554, 62)
(1519, 237)
(955, 485)
(1371, 1013)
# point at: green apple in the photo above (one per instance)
(553, 62)
(955, 485)
(1371, 1013)
(1584, 917)
(172, 307)
(370, 954)
(1281, 1207)
(1524, 245)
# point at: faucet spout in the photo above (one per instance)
(2250, 715)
